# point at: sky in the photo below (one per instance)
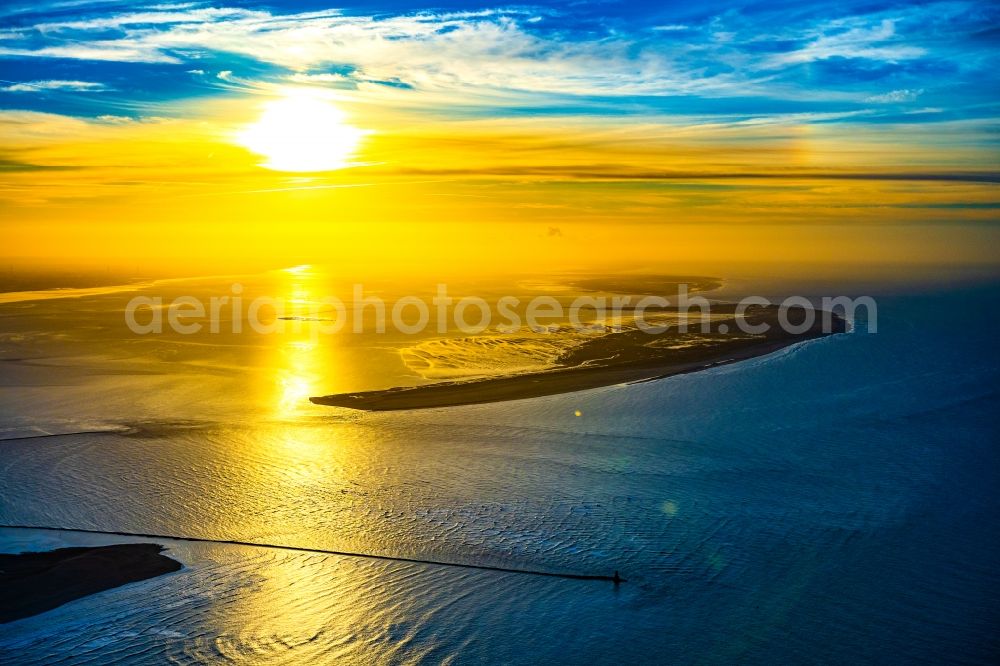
(476, 133)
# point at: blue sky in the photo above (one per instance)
(869, 62)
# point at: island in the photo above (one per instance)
(629, 356)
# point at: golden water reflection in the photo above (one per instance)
(303, 361)
(293, 608)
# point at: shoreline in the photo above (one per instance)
(617, 358)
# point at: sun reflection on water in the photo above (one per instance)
(301, 358)
(297, 380)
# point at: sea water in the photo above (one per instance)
(835, 502)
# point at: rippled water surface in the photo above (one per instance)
(832, 503)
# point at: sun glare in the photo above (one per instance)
(299, 132)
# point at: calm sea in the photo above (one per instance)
(837, 502)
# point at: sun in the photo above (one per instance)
(302, 132)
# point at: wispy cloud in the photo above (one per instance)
(119, 50)
(163, 16)
(43, 86)
(895, 96)
(852, 39)
(735, 53)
